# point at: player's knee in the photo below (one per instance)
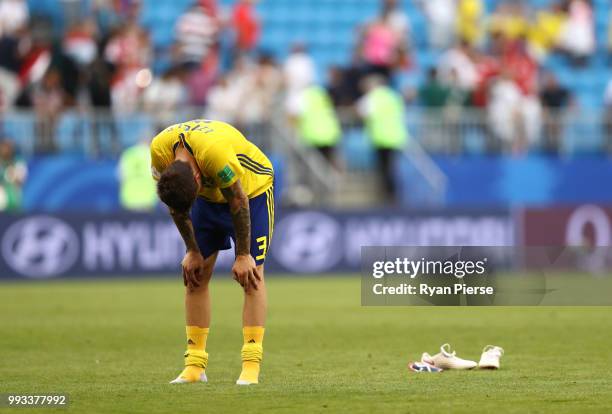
(203, 280)
(207, 271)
(250, 290)
(260, 272)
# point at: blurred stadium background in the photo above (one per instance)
(438, 122)
(394, 123)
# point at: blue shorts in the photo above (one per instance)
(213, 226)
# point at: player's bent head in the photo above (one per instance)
(176, 186)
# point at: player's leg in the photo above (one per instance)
(197, 319)
(253, 322)
(211, 238)
(197, 301)
(256, 300)
(255, 303)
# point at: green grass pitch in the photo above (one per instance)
(114, 345)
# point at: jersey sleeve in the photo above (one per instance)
(159, 162)
(222, 165)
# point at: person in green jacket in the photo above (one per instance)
(137, 189)
(317, 122)
(383, 110)
(13, 172)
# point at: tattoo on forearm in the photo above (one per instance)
(241, 217)
(242, 228)
(185, 227)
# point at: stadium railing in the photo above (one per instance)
(308, 177)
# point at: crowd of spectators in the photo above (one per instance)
(493, 63)
(104, 59)
(488, 62)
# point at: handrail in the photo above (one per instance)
(423, 163)
(326, 175)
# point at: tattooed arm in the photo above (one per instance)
(184, 226)
(241, 216)
(244, 269)
(193, 262)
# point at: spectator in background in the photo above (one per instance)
(129, 47)
(13, 173)
(260, 98)
(578, 35)
(383, 110)
(197, 49)
(343, 86)
(14, 16)
(447, 101)
(505, 120)
(545, 32)
(514, 116)
(246, 26)
(129, 50)
(12, 50)
(453, 114)
(336, 88)
(382, 44)
(224, 100)
(70, 75)
(317, 122)
(127, 88)
(299, 73)
(196, 33)
(433, 93)
(488, 67)
(9, 90)
(9, 81)
(469, 21)
(48, 98)
(509, 21)
(80, 43)
(523, 70)
(396, 18)
(441, 16)
(555, 98)
(98, 79)
(137, 189)
(165, 96)
(79, 50)
(459, 62)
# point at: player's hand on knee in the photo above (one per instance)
(193, 269)
(245, 272)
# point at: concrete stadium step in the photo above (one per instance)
(357, 189)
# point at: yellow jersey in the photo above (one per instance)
(222, 153)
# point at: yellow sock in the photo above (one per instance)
(252, 353)
(196, 358)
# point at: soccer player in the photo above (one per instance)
(217, 186)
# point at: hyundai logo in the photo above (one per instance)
(40, 247)
(308, 242)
